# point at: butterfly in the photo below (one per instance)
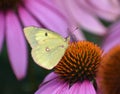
(47, 46)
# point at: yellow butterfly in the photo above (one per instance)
(47, 47)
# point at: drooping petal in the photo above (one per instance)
(61, 6)
(113, 32)
(105, 9)
(2, 28)
(50, 76)
(82, 88)
(53, 87)
(92, 9)
(27, 18)
(86, 20)
(64, 89)
(106, 5)
(74, 89)
(108, 46)
(87, 88)
(16, 45)
(115, 3)
(48, 17)
(113, 37)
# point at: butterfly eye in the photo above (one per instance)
(46, 34)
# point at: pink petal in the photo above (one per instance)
(50, 76)
(113, 38)
(2, 28)
(48, 16)
(62, 89)
(106, 47)
(105, 9)
(27, 18)
(115, 3)
(62, 6)
(82, 88)
(53, 87)
(113, 33)
(16, 45)
(86, 20)
(106, 5)
(87, 88)
(92, 9)
(74, 89)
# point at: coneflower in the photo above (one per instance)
(76, 71)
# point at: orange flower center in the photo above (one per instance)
(9, 4)
(80, 62)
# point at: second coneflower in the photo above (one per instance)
(76, 72)
(109, 72)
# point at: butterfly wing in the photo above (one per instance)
(30, 34)
(37, 36)
(48, 56)
(47, 47)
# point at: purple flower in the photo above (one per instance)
(16, 14)
(76, 72)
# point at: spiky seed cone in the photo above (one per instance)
(80, 62)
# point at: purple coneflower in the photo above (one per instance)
(76, 71)
(16, 14)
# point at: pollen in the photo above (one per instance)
(109, 72)
(80, 62)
